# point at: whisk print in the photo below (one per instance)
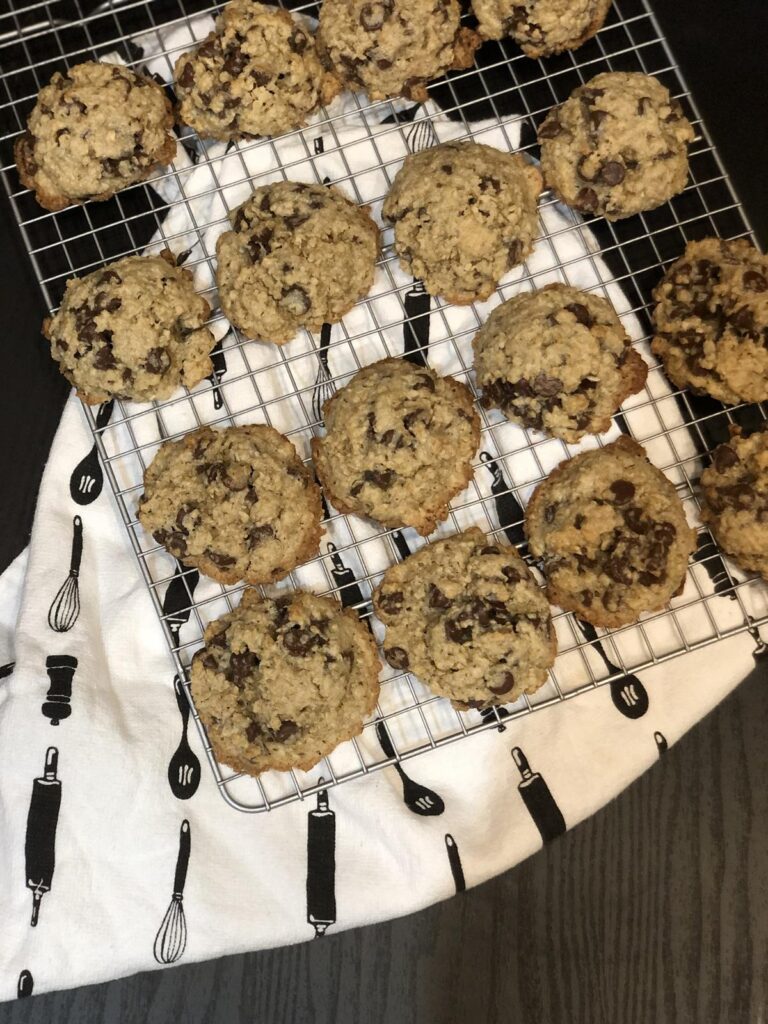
(65, 607)
(171, 938)
(323, 388)
(417, 302)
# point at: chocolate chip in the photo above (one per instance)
(514, 252)
(644, 104)
(550, 128)
(612, 172)
(241, 666)
(104, 359)
(506, 684)
(511, 574)
(582, 314)
(457, 633)
(391, 602)
(300, 641)
(382, 478)
(261, 78)
(173, 541)
(487, 181)
(755, 281)
(411, 418)
(287, 729)
(383, 64)
(256, 534)
(618, 570)
(586, 199)
(298, 41)
(549, 513)
(623, 491)
(743, 319)
(296, 300)
(396, 657)
(373, 16)
(489, 549)
(218, 639)
(424, 383)
(436, 598)
(253, 731)
(181, 515)
(235, 61)
(187, 77)
(258, 245)
(157, 360)
(545, 385)
(724, 458)
(633, 517)
(219, 558)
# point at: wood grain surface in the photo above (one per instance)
(653, 912)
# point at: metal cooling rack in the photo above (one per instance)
(503, 89)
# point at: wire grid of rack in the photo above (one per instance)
(507, 95)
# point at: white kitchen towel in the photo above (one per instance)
(115, 838)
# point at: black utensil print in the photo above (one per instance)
(61, 672)
(184, 766)
(417, 302)
(493, 715)
(509, 511)
(171, 939)
(219, 361)
(321, 865)
(6, 670)
(25, 985)
(401, 544)
(661, 743)
(40, 839)
(323, 388)
(417, 798)
(65, 607)
(177, 601)
(350, 594)
(455, 862)
(538, 799)
(628, 694)
(87, 478)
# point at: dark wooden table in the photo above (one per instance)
(653, 912)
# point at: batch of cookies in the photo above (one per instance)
(282, 680)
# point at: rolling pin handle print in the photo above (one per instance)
(321, 865)
(40, 841)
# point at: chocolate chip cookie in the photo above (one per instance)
(541, 27)
(93, 131)
(711, 320)
(464, 215)
(133, 329)
(399, 444)
(394, 47)
(297, 256)
(617, 146)
(466, 616)
(281, 682)
(236, 503)
(258, 73)
(557, 360)
(734, 499)
(611, 533)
